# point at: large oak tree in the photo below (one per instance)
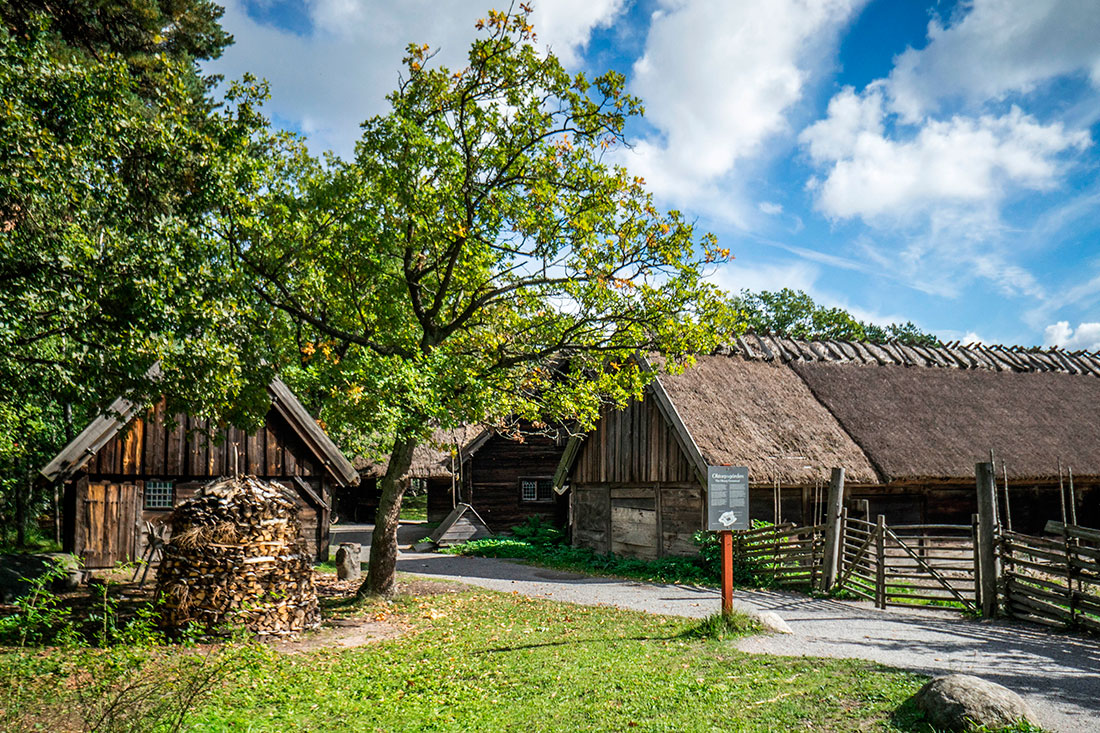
(480, 259)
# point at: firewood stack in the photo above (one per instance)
(236, 558)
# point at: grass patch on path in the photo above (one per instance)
(490, 661)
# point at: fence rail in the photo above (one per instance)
(785, 554)
(1053, 580)
(908, 564)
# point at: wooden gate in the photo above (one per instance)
(108, 524)
(906, 565)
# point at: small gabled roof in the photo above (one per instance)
(122, 411)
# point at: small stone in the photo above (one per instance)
(425, 546)
(962, 702)
(348, 564)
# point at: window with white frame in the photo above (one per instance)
(536, 489)
(159, 495)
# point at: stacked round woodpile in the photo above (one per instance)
(236, 559)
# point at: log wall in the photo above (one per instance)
(491, 478)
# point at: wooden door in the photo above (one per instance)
(107, 523)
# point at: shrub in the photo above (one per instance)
(40, 618)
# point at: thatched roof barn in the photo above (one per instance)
(917, 424)
(906, 423)
(759, 414)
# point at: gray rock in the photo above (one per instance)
(962, 702)
(424, 546)
(773, 622)
(348, 563)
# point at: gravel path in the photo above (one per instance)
(1058, 674)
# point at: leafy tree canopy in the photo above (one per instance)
(113, 165)
(794, 314)
(479, 259)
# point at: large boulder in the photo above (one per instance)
(962, 702)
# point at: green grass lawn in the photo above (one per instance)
(491, 661)
(415, 508)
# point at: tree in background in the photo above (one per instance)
(113, 159)
(478, 260)
(794, 314)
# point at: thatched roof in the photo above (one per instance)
(917, 423)
(759, 414)
(950, 356)
(437, 457)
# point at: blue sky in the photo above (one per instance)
(927, 161)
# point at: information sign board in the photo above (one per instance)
(727, 497)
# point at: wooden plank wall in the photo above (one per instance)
(636, 493)
(491, 483)
(108, 519)
(591, 511)
(155, 446)
(632, 446)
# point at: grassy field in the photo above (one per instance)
(489, 661)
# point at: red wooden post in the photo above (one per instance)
(727, 572)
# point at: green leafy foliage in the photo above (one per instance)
(479, 261)
(794, 314)
(114, 168)
(40, 617)
(539, 541)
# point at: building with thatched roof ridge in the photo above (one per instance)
(906, 423)
(505, 474)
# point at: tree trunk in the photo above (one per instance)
(382, 567)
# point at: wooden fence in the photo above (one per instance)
(784, 554)
(905, 565)
(980, 567)
(1053, 580)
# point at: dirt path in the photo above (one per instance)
(1058, 674)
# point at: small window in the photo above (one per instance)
(536, 489)
(159, 495)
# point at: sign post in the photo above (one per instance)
(727, 510)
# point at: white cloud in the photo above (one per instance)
(998, 47)
(962, 161)
(1085, 336)
(971, 338)
(770, 208)
(736, 276)
(329, 80)
(930, 155)
(719, 78)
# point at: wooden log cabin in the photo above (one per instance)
(130, 467)
(907, 425)
(505, 475)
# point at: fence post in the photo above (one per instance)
(989, 569)
(833, 529)
(976, 543)
(880, 565)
